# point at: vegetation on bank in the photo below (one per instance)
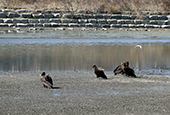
(111, 6)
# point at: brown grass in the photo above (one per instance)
(112, 6)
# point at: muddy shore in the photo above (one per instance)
(82, 93)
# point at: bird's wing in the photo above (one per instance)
(101, 69)
(45, 82)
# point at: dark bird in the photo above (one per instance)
(129, 72)
(47, 80)
(121, 68)
(124, 69)
(99, 72)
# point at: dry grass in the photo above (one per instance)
(112, 6)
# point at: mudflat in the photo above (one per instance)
(83, 93)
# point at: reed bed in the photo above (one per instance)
(111, 6)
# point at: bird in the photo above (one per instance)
(47, 80)
(139, 46)
(121, 68)
(124, 69)
(99, 72)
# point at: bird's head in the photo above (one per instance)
(94, 66)
(42, 74)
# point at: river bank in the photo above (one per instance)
(82, 93)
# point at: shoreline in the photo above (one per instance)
(82, 93)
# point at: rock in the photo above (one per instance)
(89, 25)
(3, 25)
(38, 25)
(67, 16)
(92, 20)
(21, 25)
(8, 21)
(138, 21)
(26, 15)
(55, 20)
(165, 26)
(13, 15)
(48, 15)
(115, 25)
(46, 25)
(24, 21)
(102, 21)
(37, 15)
(3, 15)
(57, 15)
(44, 20)
(112, 21)
(1, 21)
(162, 17)
(33, 21)
(116, 16)
(73, 25)
(65, 20)
(121, 21)
(98, 16)
(16, 21)
(54, 25)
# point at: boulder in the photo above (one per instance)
(3, 15)
(13, 15)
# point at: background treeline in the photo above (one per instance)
(112, 6)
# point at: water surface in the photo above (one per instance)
(50, 50)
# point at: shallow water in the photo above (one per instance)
(50, 50)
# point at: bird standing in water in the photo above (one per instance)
(47, 80)
(99, 72)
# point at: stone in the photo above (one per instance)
(55, 20)
(73, 21)
(13, 15)
(57, 15)
(3, 25)
(121, 21)
(65, 20)
(115, 25)
(33, 21)
(44, 20)
(138, 21)
(23, 10)
(16, 21)
(106, 16)
(102, 21)
(38, 25)
(54, 25)
(165, 26)
(167, 22)
(129, 22)
(67, 16)
(37, 15)
(116, 16)
(63, 25)
(105, 25)
(1, 21)
(23, 20)
(8, 21)
(153, 17)
(21, 25)
(48, 15)
(92, 20)
(73, 25)
(3, 15)
(162, 17)
(154, 22)
(26, 15)
(98, 16)
(125, 17)
(112, 21)
(46, 25)
(89, 25)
